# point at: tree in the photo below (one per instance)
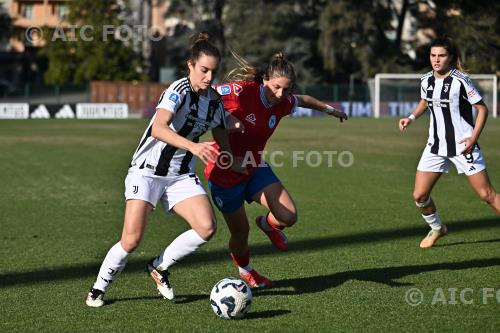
(193, 16)
(5, 25)
(354, 38)
(474, 26)
(98, 46)
(257, 32)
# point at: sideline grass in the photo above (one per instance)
(353, 254)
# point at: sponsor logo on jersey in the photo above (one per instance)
(173, 97)
(251, 118)
(430, 88)
(199, 124)
(471, 93)
(224, 90)
(272, 121)
(237, 89)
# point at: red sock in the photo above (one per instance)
(241, 261)
(272, 225)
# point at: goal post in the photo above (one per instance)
(397, 94)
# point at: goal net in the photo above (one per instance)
(398, 94)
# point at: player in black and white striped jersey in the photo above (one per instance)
(449, 100)
(194, 115)
(449, 94)
(162, 169)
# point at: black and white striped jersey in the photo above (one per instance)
(193, 116)
(450, 101)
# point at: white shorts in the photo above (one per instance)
(146, 186)
(468, 164)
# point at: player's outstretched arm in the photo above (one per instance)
(405, 122)
(313, 103)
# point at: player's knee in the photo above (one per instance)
(288, 217)
(130, 243)
(487, 195)
(207, 230)
(422, 200)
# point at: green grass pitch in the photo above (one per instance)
(353, 256)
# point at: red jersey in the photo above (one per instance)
(246, 101)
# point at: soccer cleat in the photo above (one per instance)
(433, 236)
(161, 280)
(95, 298)
(255, 280)
(276, 236)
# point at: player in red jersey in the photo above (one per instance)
(258, 101)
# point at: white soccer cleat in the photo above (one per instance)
(95, 298)
(161, 280)
(432, 237)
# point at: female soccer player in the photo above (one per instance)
(162, 168)
(449, 94)
(258, 101)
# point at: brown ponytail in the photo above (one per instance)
(244, 72)
(278, 67)
(201, 44)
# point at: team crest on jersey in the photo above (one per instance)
(446, 87)
(173, 97)
(224, 90)
(272, 121)
(237, 89)
(251, 118)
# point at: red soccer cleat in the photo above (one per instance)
(276, 236)
(255, 280)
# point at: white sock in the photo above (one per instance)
(433, 220)
(111, 267)
(246, 269)
(185, 244)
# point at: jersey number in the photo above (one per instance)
(195, 178)
(469, 158)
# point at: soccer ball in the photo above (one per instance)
(231, 298)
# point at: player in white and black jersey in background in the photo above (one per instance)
(162, 168)
(449, 94)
